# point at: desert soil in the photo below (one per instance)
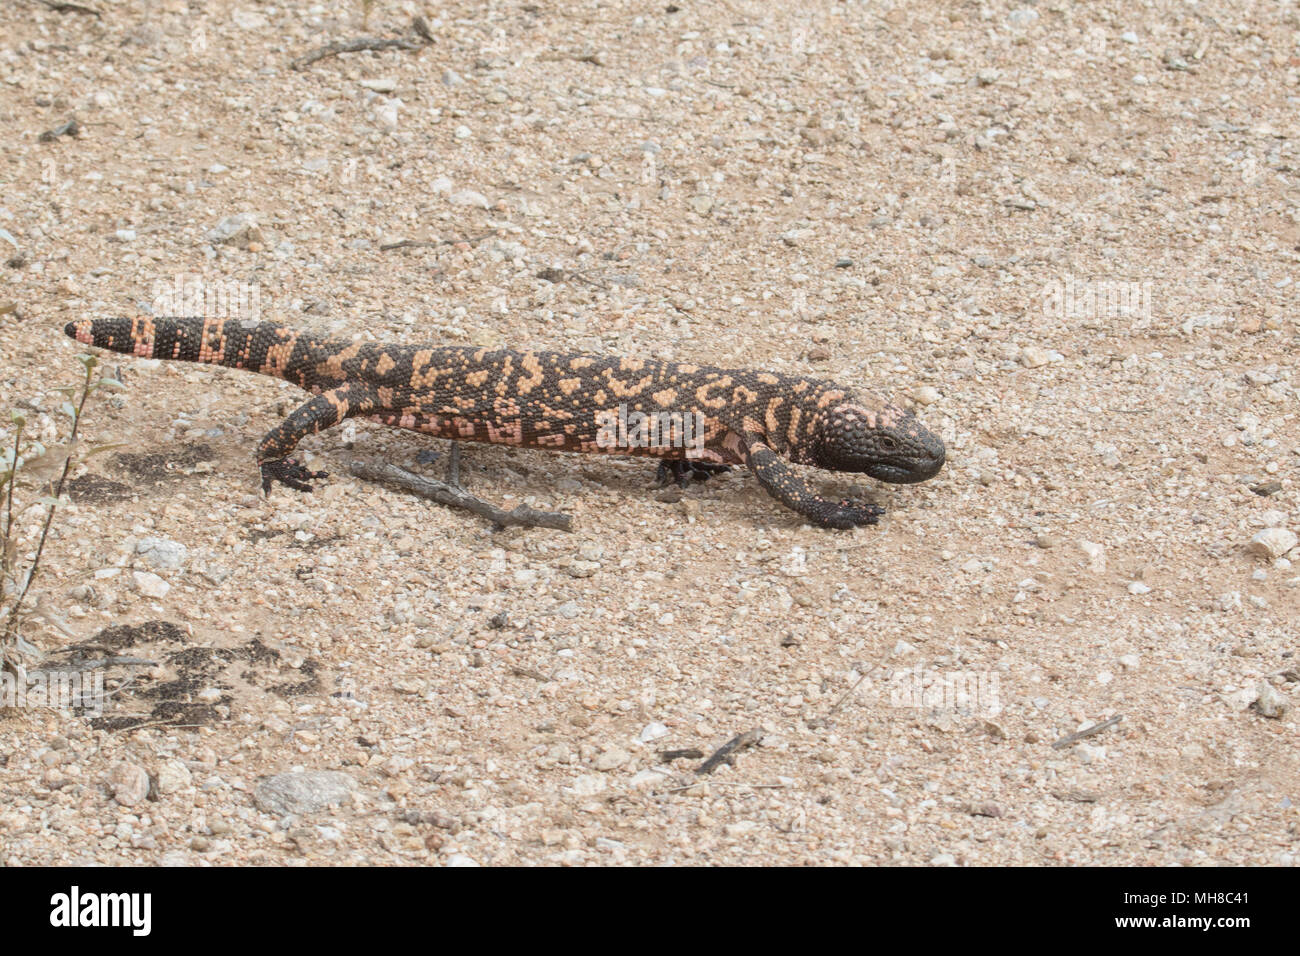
(1069, 232)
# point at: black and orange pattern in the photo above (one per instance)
(551, 401)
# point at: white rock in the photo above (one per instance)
(1096, 556)
(150, 585)
(460, 859)
(926, 395)
(1269, 702)
(1137, 587)
(1031, 356)
(304, 791)
(468, 197)
(250, 20)
(380, 84)
(611, 759)
(1230, 601)
(173, 776)
(583, 569)
(1087, 753)
(162, 553)
(1272, 542)
(129, 783)
(387, 113)
(588, 785)
(652, 732)
(648, 778)
(238, 230)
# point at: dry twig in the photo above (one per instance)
(422, 39)
(727, 751)
(455, 497)
(58, 6)
(1087, 732)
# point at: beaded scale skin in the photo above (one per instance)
(556, 402)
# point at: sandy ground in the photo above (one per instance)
(1070, 232)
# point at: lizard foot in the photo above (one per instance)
(683, 471)
(846, 514)
(289, 472)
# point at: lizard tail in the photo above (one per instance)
(255, 346)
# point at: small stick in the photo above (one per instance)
(845, 696)
(560, 275)
(1087, 732)
(520, 671)
(727, 751)
(367, 43)
(432, 243)
(454, 497)
(729, 783)
(668, 756)
(152, 723)
(60, 7)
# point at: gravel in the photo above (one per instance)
(1086, 282)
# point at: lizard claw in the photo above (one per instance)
(288, 471)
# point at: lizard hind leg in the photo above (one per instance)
(682, 471)
(323, 411)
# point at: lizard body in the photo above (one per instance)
(558, 402)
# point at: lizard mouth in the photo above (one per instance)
(909, 472)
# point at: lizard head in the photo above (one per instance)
(888, 443)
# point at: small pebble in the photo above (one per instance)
(305, 791)
(129, 783)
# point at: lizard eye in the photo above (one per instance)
(888, 442)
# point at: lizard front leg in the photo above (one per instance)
(327, 409)
(786, 486)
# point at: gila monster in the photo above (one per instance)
(554, 401)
